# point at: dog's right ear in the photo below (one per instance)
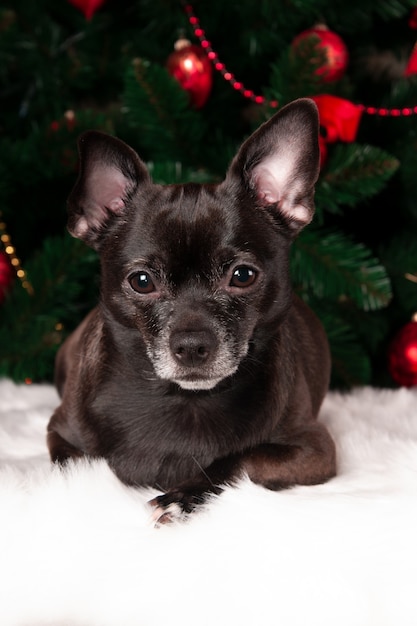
(279, 163)
(110, 172)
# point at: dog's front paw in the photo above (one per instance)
(175, 505)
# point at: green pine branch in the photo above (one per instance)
(351, 364)
(63, 276)
(400, 259)
(159, 112)
(170, 172)
(353, 173)
(294, 75)
(331, 266)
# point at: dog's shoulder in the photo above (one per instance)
(313, 352)
(79, 350)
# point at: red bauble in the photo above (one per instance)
(336, 53)
(339, 118)
(339, 121)
(323, 150)
(412, 22)
(402, 355)
(7, 275)
(189, 65)
(88, 7)
(411, 68)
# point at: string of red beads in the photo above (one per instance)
(250, 95)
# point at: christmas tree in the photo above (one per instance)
(69, 66)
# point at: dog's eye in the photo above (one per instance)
(243, 276)
(142, 282)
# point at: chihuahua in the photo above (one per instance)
(199, 365)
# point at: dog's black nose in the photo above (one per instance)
(192, 348)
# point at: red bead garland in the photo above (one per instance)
(404, 112)
(218, 65)
(249, 94)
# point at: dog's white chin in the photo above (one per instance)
(198, 385)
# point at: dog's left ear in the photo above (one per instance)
(110, 172)
(279, 163)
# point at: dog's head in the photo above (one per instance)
(198, 273)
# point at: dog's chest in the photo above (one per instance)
(165, 438)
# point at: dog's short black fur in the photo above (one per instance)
(199, 365)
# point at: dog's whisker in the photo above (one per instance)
(203, 471)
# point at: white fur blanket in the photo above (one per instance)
(79, 549)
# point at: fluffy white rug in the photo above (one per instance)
(79, 549)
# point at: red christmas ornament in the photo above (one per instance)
(68, 120)
(402, 355)
(323, 150)
(189, 65)
(334, 48)
(339, 121)
(412, 63)
(339, 117)
(88, 7)
(7, 275)
(412, 22)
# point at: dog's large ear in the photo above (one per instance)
(279, 163)
(110, 172)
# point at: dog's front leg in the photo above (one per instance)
(305, 456)
(61, 449)
(177, 503)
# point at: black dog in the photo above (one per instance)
(199, 365)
